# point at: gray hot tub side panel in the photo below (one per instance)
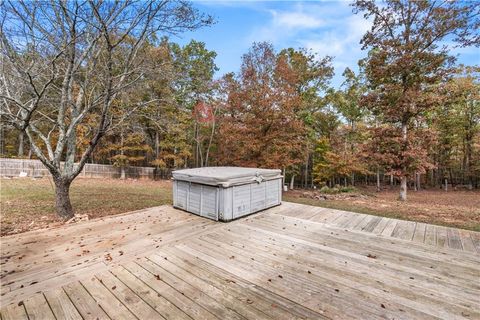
(196, 198)
(226, 204)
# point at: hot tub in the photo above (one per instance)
(226, 193)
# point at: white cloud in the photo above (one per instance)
(325, 28)
(295, 20)
(284, 25)
(342, 38)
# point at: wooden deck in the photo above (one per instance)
(289, 262)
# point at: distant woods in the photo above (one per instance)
(92, 89)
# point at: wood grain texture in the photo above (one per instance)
(289, 262)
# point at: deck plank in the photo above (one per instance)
(132, 301)
(189, 291)
(38, 308)
(14, 311)
(378, 229)
(404, 230)
(83, 302)
(188, 306)
(454, 240)
(106, 300)
(339, 277)
(430, 235)
(419, 235)
(276, 306)
(441, 235)
(243, 308)
(475, 236)
(367, 222)
(167, 309)
(289, 262)
(467, 243)
(61, 305)
(389, 228)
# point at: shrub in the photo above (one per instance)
(329, 190)
(348, 189)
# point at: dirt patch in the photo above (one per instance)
(28, 204)
(454, 208)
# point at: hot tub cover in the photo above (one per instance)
(226, 176)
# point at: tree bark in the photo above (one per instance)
(403, 189)
(403, 177)
(157, 145)
(210, 140)
(292, 181)
(378, 180)
(62, 197)
(21, 143)
(122, 153)
(306, 171)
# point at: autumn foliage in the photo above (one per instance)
(408, 114)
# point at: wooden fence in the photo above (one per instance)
(36, 169)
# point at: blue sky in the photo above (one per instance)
(325, 27)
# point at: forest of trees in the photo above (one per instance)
(105, 92)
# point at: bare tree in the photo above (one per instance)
(65, 62)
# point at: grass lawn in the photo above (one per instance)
(28, 204)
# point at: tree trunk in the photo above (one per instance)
(418, 178)
(292, 181)
(196, 144)
(391, 181)
(403, 189)
(378, 180)
(403, 177)
(122, 173)
(62, 198)
(157, 145)
(21, 143)
(306, 171)
(446, 184)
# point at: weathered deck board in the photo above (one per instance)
(14, 312)
(109, 303)
(329, 278)
(167, 309)
(61, 305)
(289, 262)
(84, 302)
(38, 309)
